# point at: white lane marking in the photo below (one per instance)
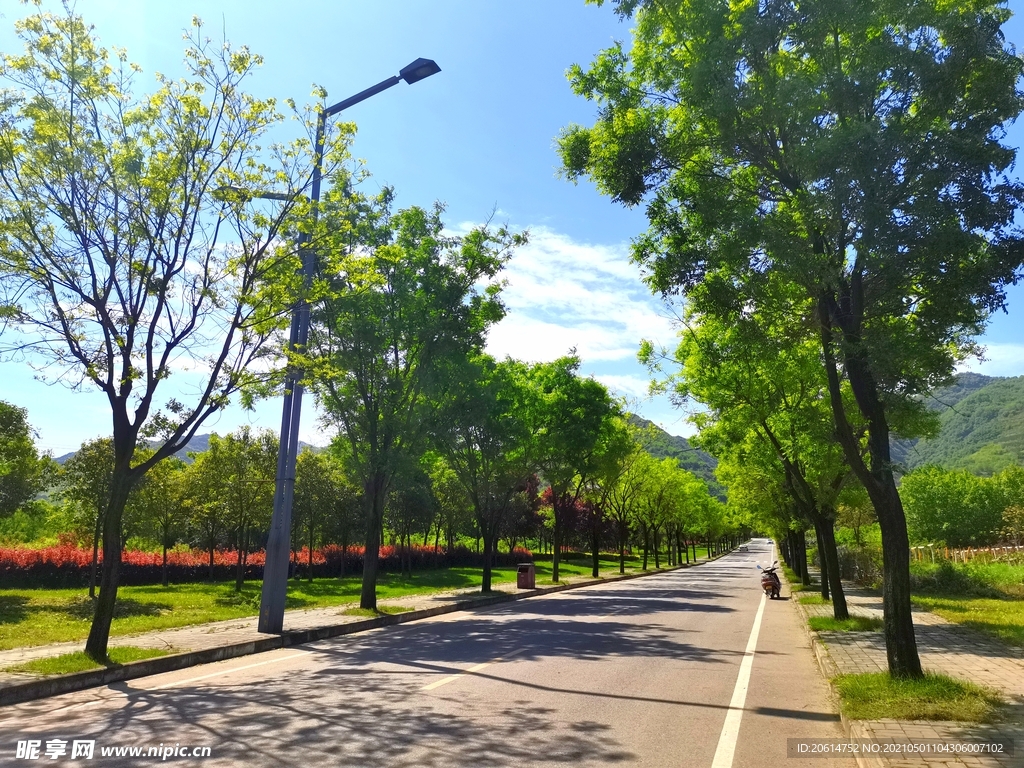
(471, 670)
(731, 728)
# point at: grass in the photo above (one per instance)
(31, 617)
(381, 610)
(814, 600)
(999, 617)
(795, 583)
(852, 624)
(79, 662)
(877, 695)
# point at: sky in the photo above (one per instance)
(478, 136)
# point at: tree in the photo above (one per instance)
(85, 484)
(484, 433)
(571, 418)
(759, 374)
(853, 149)
(158, 502)
(321, 501)
(115, 270)
(21, 469)
(406, 300)
(952, 506)
(240, 471)
(624, 494)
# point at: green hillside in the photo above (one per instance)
(663, 445)
(982, 427)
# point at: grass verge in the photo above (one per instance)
(1000, 618)
(31, 617)
(876, 696)
(371, 613)
(79, 662)
(852, 624)
(814, 600)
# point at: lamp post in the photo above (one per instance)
(275, 569)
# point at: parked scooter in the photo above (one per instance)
(770, 581)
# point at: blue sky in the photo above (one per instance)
(478, 136)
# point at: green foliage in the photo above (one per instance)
(660, 444)
(402, 301)
(877, 696)
(952, 507)
(21, 469)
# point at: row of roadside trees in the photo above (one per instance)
(128, 259)
(827, 186)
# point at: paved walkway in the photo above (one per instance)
(951, 649)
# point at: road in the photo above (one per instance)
(640, 672)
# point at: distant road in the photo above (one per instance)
(640, 672)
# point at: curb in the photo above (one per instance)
(79, 681)
(851, 728)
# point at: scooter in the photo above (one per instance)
(770, 581)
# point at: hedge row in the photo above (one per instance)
(68, 566)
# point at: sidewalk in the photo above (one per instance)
(944, 647)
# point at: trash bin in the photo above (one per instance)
(526, 576)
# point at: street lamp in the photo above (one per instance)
(275, 569)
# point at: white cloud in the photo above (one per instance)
(1000, 360)
(625, 384)
(563, 294)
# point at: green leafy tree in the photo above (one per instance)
(484, 433)
(758, 372)
(953, 507)
(241, 468)
(118, 263)
(856, 149)
(323, 501)
(157, 502)
(85, 485)
(21, 469)
(571, 417)
(408, 300)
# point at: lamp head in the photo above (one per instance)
(418, 70)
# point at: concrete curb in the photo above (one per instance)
(55, 686)
(829, 670)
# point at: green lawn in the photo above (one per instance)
(935, 697)
(41, 616)
(1002, 618)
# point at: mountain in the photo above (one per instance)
(981, 426)
(663, 445)
(198, 444)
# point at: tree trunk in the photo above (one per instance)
(657, 554)
(828, 538)
(646, 537)
(312, 533)
(878, 481)
(822, 563)
(99, 633)
(595, 545)
(556, 541)
(240, 565)
(95, 555)
(164, 538)
(485, 584)
(373, 499)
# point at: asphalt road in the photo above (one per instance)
(640, 672)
